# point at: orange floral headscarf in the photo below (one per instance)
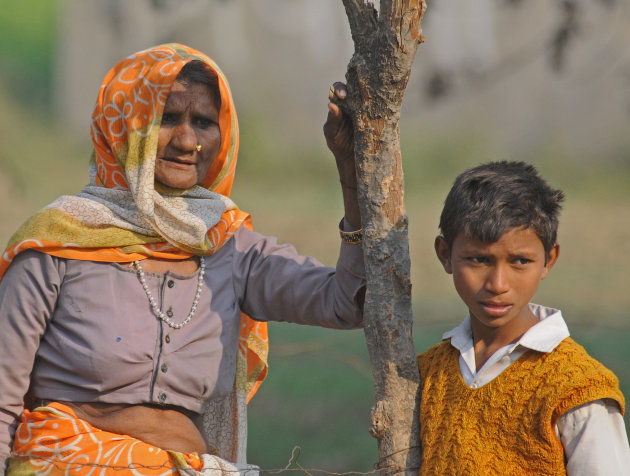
(120, 216)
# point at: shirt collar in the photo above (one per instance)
(461, 336)
(548, 333)
(542, 337)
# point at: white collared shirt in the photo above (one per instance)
(593, 435)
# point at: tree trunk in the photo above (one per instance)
(385, 46)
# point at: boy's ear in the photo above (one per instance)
(443, 253)
(552, 257)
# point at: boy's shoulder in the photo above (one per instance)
(571, 358)
(446, 343)
(568, 356)
(568, 370)
(438, 353)
(583, 378)
(568, 352)
(576, 359)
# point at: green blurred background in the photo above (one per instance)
(570, 118)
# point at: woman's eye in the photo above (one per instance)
(204, 122)
(168, 118)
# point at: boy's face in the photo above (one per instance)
(498, 280)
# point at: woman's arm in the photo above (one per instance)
(28, 293)
(338, 131)
(273, 282)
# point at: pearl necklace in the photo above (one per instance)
(158, 311)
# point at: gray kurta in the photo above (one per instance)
(87, 333)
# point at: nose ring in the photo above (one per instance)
(199, 147)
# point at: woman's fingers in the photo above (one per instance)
(338, 91)
(338, 128)
(336, 122)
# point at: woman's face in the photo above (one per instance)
(190, 119)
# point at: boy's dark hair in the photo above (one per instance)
(488, 200)
(197, 72)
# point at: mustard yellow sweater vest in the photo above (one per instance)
(506, 427)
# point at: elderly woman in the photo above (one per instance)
(133, 314)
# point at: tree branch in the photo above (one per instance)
(377, 76)
(362, 17)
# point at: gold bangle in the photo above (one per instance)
(351, 237)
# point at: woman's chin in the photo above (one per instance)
(172, 187)
(179, 181)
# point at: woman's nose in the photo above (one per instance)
(184, 136)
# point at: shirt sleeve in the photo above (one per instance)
(594, 439)
(28, 293)
(274, 283)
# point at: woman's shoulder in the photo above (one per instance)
(36, 266)
(30, 270)
(33, 260)
(247, 240)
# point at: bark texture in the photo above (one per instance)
(385, 45)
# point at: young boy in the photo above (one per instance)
(508, 391)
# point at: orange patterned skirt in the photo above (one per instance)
(51, 440)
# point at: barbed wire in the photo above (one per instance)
(293, 461)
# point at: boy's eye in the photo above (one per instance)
(478, 259)
(522, 261)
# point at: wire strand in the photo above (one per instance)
(379, 466)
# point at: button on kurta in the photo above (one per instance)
(170, 283)
(167, 339)
(164, 368)
(162, 397)
(169, 313)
